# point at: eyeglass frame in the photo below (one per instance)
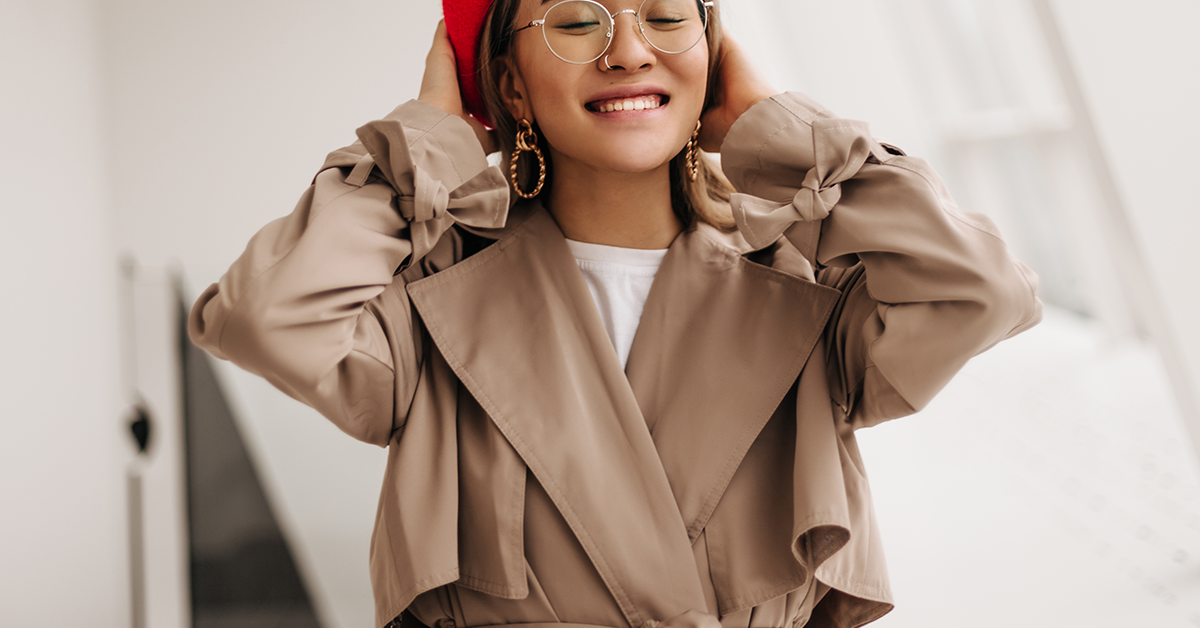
(706, 4)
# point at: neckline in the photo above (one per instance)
(605, 253)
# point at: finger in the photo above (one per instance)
(441, 55)
(439, 84)
(441, 41)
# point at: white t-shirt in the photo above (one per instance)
(619, 280)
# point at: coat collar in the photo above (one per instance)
(658, 444)
(720, 343)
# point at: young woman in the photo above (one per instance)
(617, 389)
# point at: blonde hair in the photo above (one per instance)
(704, 200)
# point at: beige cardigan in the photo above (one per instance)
(529, 479)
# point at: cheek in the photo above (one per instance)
(692, 70)
(548, 84)
(550, 94)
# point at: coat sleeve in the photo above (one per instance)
(925, 286)
(317, 303)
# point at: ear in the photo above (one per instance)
(513, 91)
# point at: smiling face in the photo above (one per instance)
(631, 118)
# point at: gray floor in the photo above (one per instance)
(242, 569)
(1052, 484)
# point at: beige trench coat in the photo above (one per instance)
(529, 479)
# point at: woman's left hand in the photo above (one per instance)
(739, 86)
(439, 85)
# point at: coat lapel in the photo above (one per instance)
(720, 343)
(516, 324)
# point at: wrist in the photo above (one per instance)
(748, 102)
(452, 106)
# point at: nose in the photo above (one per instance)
(628, 49)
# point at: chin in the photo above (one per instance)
(628, 150)
(632, 164)
(634, 153)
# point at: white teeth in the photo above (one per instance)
(631, 104)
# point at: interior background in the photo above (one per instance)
(169, 132)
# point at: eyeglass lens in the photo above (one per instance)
(578, 31)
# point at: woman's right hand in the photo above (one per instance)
(439, 86)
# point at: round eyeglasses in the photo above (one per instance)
(580, 31)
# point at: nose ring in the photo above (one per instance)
(606, 62)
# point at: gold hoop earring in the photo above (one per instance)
(691, 159)
(526, 142)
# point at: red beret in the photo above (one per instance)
(464, 24)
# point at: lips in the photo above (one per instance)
(628, 103)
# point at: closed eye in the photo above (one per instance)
(577, 25)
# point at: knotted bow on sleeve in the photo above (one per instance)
(428, 204)
(840, 148)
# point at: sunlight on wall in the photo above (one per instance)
(190, 125)
(63, 445)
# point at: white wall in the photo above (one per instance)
(221, 112)
(62, 438)
(840, 53)
(1138, 63)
